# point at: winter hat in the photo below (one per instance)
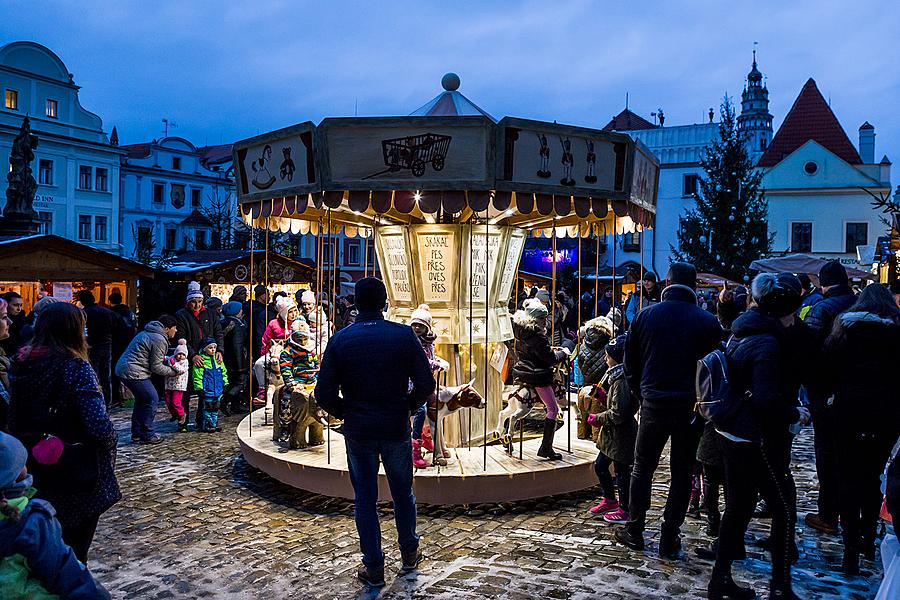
(207, 342)
(615, 349)
(181, 348)
(777, 295)
(832, 273)
(12, 458)
(650, 276)
(371, 294)
(535, 309)
(239, 290)
(601, 324)
(86, 298)
(231, 309)
(543, 296)
(307, 296)
(213, 303)
(300, 332)
(422, 315)
(43, 303)
(193, 291)
(283, 306)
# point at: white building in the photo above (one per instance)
(818, 184)
(76, 167)
(173, 194)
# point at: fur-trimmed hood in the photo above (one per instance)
(526, 322)
(597, 332)
(849, 319)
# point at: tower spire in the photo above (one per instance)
(755, 120)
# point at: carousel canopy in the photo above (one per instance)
(447, 163)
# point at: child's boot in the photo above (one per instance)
(418, 461)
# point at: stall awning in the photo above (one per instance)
(801, 263)
(52, 257)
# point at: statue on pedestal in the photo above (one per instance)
(19, 216)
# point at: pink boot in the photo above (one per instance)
(418, 461)
(427, 440)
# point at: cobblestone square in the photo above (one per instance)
(197, 522)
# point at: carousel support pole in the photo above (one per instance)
(521, 435)
(333, 256)
(597, 272)
(365, 256)
(266, 283)
(553, 285)
(641, 248)
(615, 300)
(471, 317)
(250, 387)
(487, 320)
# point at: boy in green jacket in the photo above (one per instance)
(210, 380)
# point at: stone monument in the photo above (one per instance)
(19, 217)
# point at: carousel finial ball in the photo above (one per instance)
(450, 82)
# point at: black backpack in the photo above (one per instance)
(717, 400)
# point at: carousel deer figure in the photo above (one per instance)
(443, 403)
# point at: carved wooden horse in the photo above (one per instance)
(446, 401)
(520, 402)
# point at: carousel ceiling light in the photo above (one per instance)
(417, 196)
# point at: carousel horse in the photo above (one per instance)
(303, 416)
(520, 402)
(274, 383)
(445, 402)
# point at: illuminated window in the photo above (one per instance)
(52, 109)
(12, 100)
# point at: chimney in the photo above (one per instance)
(867, 143)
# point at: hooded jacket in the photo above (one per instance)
(821, 316)
(595, 334)
(535, 357)
(758, 363)
(618, 427)
(146, 354)
(860, 356)
(664, 343)
(35, 563)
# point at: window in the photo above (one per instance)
(159, 189)
(12, 100)
(631, 242)
(177, 195)
(762, 143)
(857, 235)
(690, 185)
(327, 248)
(102, 180)
(353, 254)
(171, 235)
(200, 239)
(46, 219)
(176, 163)
(801, 237)
(84, 227)
(810, 168)
(100, 229)
(45, 172)
(85, 177)
(52, 109)
(143, 238)
(195, 197)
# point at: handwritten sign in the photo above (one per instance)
(397, 267)
(484, 264)
(436, 252)
(510, 266)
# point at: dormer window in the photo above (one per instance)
(12, 100)
(176, 163)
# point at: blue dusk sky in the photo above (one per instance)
(224, 71)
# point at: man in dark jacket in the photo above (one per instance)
(364, 380)
(663, 346)
(194, 324)
(124, 330)
(237, 357)
(261, 313)
(838, 297)
(17, 321)
(101, 323)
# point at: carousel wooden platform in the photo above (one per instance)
(464, 480)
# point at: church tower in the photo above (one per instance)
(755, 120)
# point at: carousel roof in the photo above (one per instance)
(448, 162)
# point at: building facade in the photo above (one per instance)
(76, 166)
(175, 197)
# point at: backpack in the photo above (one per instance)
(717, 401)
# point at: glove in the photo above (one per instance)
(592, 420)
(441, 365)
(805, 416)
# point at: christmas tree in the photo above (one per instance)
(726, 231)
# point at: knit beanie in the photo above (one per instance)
(12, 458)
(543, 296)
(181, 348)
(207, 342)
(283, 306)
(300, 332)
(193, 291)
(832, 273)
(371, 294)
(213, 303)
(307, 296)
(43, 303)
(777, 295)
(535, 309)
(615, 349)
(422, 315)
(231, 309)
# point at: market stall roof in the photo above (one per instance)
(448, 162)
(801, 263)
(196, 262)
(38, 257)
(712, 280)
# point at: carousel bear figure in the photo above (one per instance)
(299, 367)
(594, 334)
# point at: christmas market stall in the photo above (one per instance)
(51, 265)
(450, 196)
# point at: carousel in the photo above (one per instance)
(447, 198)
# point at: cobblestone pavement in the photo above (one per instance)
(197, 521)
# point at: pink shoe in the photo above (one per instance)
(606, 505)
(418, 461)
(427, 440)
(618, 516)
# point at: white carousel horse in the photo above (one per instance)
(520, 402)
(273, 379)
(446, 401)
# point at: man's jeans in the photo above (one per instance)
(146, 399)
(363, 458)
(659, 422)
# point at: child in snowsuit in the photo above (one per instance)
(299, 367)
(420, 322)
(177, 384)
(618, 433)
(210, 379)
(34, 560)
